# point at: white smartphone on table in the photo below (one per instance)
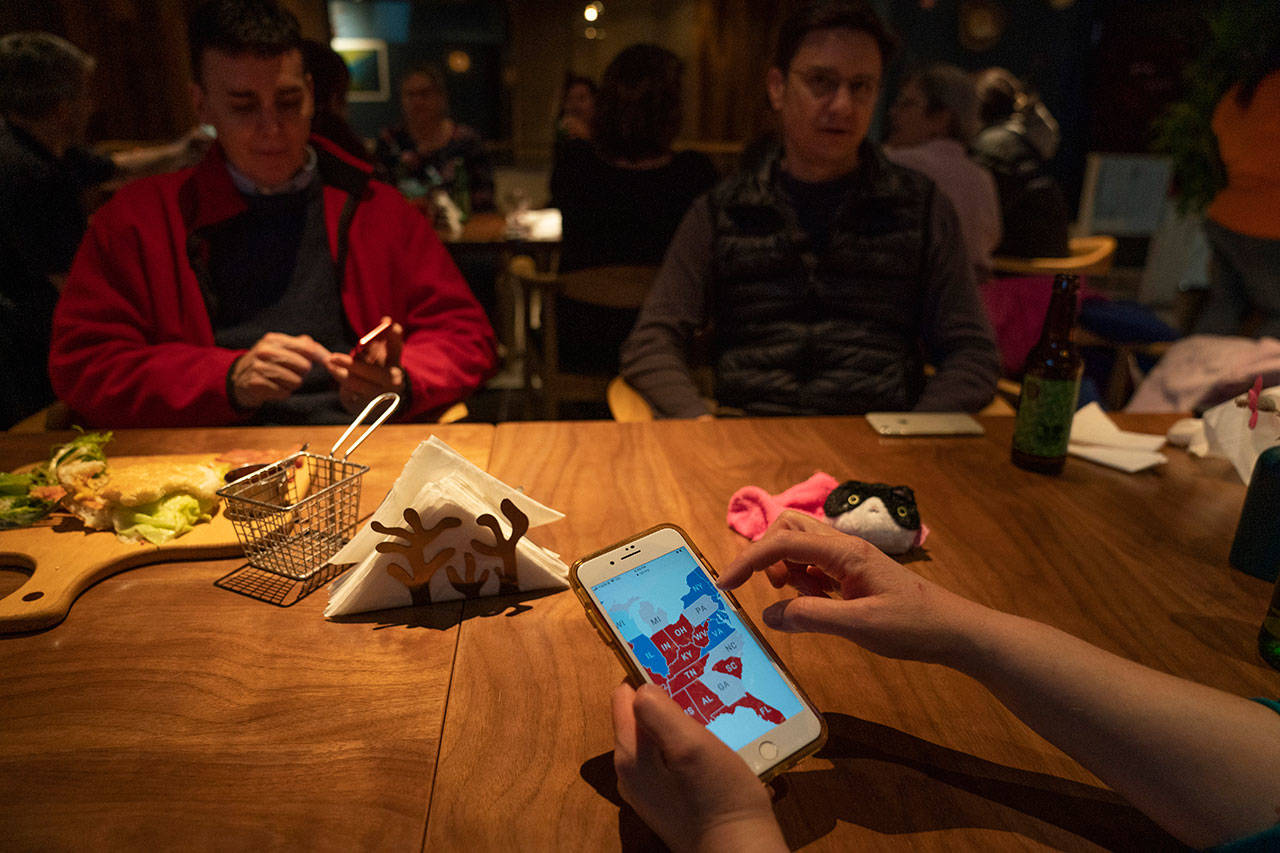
(923, 423)
(652, 598)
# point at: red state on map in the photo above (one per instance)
(666, 644)
(729, 666)
(765, 712)
(679, 680)
(709, 704)
(700, 635)
(685, 701)
(680, 631)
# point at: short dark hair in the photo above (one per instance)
(329, 73)
(831, 15)
(238, 27)
(638, 107)
(38, 71)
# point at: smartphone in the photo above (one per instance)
(652, 598)
(370, 336)
(923, 423)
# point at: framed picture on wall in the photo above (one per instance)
(367, 61)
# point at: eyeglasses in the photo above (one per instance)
(823, 85)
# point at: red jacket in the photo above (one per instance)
(132, 341)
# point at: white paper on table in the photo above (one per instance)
(1226, 426)
(1129, 461)
(434, 460)
(1091, 425)
(373, 583)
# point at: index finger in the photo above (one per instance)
(795, 546)
(304, 346)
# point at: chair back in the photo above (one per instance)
(616, 287)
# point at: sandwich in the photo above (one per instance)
(140, 498)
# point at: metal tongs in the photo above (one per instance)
(393, 402)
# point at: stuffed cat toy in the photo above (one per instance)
(884, 515)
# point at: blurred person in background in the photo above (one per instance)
(431, 151)
(1243, 221)
(234, 292)
(828, 275)
(623, 192)
(577, 108)
(930, 125)
(1019, 137)
(330, 80)
(45, 169)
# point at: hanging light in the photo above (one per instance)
(592, 12)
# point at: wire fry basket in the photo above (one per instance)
(293, 515)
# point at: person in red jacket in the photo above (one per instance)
(235, 291)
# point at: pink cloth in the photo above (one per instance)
(752, 509)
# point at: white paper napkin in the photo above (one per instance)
(1094, 436)
(464, 558)
(1226, 428)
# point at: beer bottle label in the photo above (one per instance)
(1044, 416)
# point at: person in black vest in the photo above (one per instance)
(829, 276)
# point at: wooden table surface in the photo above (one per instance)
(919, 757)
(168, 711)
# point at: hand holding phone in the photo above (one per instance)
(654, 601)
(376, 333)
(683, 781)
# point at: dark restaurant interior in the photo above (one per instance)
(958, 320)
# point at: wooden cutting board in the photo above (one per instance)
(65, 559)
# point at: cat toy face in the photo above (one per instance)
(884, 515)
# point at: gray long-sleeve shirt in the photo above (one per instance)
(955, 331)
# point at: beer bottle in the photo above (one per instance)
(1050, 386)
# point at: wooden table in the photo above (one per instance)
(165, 711)
(169, 713)
(919, 757)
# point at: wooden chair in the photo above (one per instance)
(622, 287)
(1091, 255)
(55, 416)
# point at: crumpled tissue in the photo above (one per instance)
(1226, 429)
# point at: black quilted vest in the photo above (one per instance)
(799, 333)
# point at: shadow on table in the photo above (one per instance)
(635, 836)
(1226, 635)
(447, 614)
(894, 783)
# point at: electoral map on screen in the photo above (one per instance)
(694, 647)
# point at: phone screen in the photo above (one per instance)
(693, 645)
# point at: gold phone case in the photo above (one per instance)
(636, 677)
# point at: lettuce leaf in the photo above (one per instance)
(84, 447)
(160, 521)
(17, 507)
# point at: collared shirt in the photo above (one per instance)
(297, 183)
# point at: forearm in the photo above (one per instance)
(1200, 762)
(965, 380)
(653, 363)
